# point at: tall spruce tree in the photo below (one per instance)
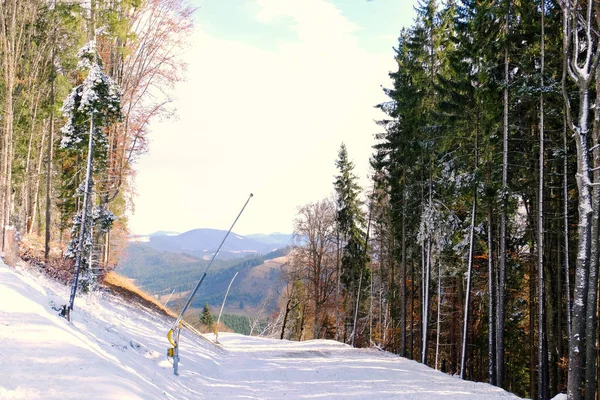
(351, 225)
(89, 109)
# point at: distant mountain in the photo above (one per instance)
(164, 233)
(203, 243)
(280, 239)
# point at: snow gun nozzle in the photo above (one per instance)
(170, 337)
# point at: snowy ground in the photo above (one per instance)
(114, 350)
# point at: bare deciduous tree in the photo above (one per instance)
(314, 258)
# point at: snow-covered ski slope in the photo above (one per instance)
(116, 350)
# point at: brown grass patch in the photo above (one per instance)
(125, 288)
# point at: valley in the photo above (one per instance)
(168, 266)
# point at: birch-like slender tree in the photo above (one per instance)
(582, 54)
(591, 357)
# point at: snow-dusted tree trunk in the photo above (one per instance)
(566, 198)
(425, 321)
(591, 357)
(463, 358)
(566, 227)
(491, 320)
(503, 221)
(439, 320)
(543, 392)
(581, 52)
(426, 278)
(403, 270)
(465, 336)
(84, 210)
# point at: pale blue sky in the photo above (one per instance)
(273, 88)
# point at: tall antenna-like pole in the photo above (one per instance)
(173, 334)
(222, 307)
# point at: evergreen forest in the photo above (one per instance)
(474, 249)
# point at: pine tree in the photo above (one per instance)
(89, 109)
(350, 222)
(206, 317)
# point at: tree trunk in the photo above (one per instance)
(503, 223)
(84, 210)
(491, 324)
(50, 151)
(37, 181)
(26, 189)
(412, 310)
(532, 331)
(285, 317)
(8, 15)
(543, 393)
(591, 361)
(337, 286)
(426, 278)
(463, 358)
(439, 319)
(566, 227)
(403, 271)
(581, 72)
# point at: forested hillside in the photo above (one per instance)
(171, 276)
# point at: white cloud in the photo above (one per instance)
(316, 22)
(268, 122)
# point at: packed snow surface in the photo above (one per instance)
(116, 350)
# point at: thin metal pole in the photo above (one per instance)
(189, 300)
(223, 306)
(176, 329)
(168, 298)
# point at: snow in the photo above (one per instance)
(116, 350)
(140, 239)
